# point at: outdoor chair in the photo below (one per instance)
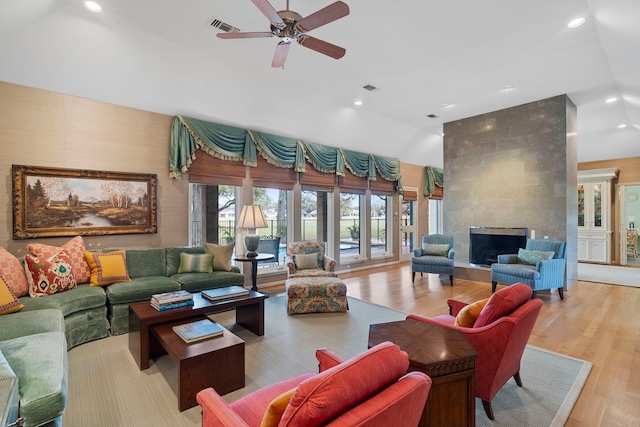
(270, 245)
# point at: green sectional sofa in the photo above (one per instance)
(34, 341)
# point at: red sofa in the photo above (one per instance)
(372, 389)
(499, 335)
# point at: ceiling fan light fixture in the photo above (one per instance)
(576, 23)
(92, 6)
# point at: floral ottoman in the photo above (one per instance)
(316, 295)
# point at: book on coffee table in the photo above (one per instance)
(225, 293)
(198, 331)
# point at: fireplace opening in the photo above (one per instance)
(486, 243)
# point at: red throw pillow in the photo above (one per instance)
(50, 275)
(503, 302)
(75, 248)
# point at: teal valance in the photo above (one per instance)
(236, 144)
(433, 177)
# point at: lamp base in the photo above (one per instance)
(251, 242)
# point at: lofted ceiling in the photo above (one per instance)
(163, 56)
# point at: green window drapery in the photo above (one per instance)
(433, 177)
(231, 143)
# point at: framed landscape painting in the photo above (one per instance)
(68, 202)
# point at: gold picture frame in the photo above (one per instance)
(50, 202)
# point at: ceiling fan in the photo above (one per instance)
(290, 26)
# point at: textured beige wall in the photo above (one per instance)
(47, 129)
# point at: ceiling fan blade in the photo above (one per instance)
(246, 35)
(321, 46)
(282, 50)
(328, 14)
(268, 11)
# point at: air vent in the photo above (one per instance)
(224, 26)
(370, 88)
(432, 116)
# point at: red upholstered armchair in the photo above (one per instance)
(371, 389)
(499, 335)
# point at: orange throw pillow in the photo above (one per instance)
(469, 314)
(276, 409)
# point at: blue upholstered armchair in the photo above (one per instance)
(434, 256)
(540, 265)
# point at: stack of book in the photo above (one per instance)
(198, 331)
(171, 300)
(228, 292)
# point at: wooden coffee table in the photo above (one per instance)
(142, 317)
(447, 357)
(215, 362)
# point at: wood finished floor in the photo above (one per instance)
(595, 322)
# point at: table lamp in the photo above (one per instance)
(251, 218)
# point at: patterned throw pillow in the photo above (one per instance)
(276, 408)
(435, 249)
(75, 247)
(533, 257)
(107, 267)
(49, 275)
(13, 273)
(6, 373)
(221, 255)
(306, 261)
(8, 302)
(195, 263)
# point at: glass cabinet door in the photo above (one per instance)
(597, 205)
(581, 218)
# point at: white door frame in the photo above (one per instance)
(411, 229)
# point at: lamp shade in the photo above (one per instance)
(252, 217)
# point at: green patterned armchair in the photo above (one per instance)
(308, 259)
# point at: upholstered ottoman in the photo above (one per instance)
(316, 295)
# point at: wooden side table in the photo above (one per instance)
(254, 266)
(447, 357)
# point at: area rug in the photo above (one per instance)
(106, 389)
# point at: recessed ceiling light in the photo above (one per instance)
(92, 6)
(576, 23)
(446, 105)
(508, 87)
(358, 103)
(610, 100)
(622, 126)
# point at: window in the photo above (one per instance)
(379, 224)
(274, 203)
(350, 204)
(435, 217)
(314, 214)
(212, 214)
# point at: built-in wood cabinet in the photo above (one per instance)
(594, 214)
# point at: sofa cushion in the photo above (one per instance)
(221, 255)
(8, 302)
(172, 254)
(533, 257)
(195, 263)
(196, 282)
(329, 394)
(40, 361)
(107, 267)
(81, 298)
(146, 262)
(435, 249)
(306, 261)
(13, 273)
(468, 315)
(49, 276)
(75, 247)
(140, 289)
(26, 323)
(503, 303)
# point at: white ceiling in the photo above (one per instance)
(163, 56)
